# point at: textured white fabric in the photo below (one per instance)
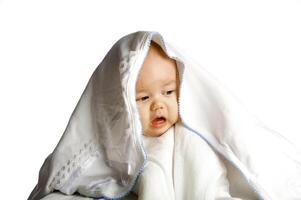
(156, 181)
(101, 153)
(181, 167)
(61, 196)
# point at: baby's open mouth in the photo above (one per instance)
(158, 122)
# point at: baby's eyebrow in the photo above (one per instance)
(139, 91)
(142, 90)
(170, 82)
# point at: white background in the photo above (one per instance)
(49, 49)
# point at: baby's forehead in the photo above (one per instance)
(157, 60)
(157, 69)
(152, 82)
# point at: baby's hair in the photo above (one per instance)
(158, 48)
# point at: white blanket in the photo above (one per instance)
(101, 152)
(181, 166)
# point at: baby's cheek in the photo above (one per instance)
(176, 105)
(143, 114)
(140, 108)
(176, 110)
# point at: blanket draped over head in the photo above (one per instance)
(101, 153)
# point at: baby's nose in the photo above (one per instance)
(157, 105)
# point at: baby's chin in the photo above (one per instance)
(156, 132)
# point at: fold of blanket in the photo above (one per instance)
(181, 166)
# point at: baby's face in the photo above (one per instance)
(157, 93)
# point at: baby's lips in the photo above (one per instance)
(158, 117)
(158, 121)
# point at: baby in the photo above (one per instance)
(157, 92)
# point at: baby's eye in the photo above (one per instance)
(169, 92)
(143, 98)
